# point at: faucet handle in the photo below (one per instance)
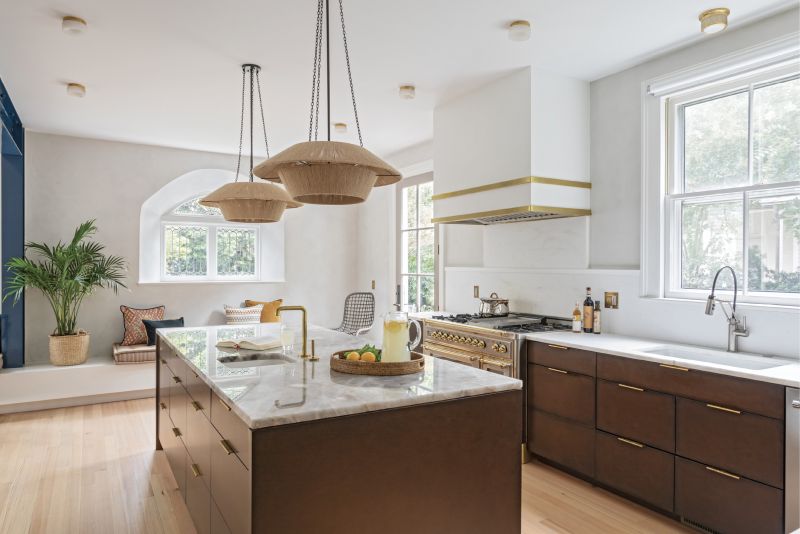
(741, 327)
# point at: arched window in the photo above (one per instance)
(182, 241)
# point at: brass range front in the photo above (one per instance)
(491, 350)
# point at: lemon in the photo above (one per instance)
(353, 355)
(393, 326)
(368, 357)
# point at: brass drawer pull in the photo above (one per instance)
(222, 402)
(163, 406)
(675, 367)
(626, 386)
(196, 406)
(723, 473)
(631, 442)
(176, 379)
(558, 370)
(724, 409)
(163, 361)
(177, 432)
(196, 470)
(559, 347)
(227, 446)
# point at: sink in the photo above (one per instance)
(253, 359)
(732, 359)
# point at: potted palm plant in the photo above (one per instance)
(66, 274)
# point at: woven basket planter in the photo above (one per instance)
(69, 350)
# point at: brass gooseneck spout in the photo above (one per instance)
(305, 324)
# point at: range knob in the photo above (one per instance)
(462, 339)
(502, 349)
(495, 347)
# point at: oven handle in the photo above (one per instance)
(463, 355)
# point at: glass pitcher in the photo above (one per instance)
(396, 342)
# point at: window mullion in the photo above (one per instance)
(211, 249)
(746, 242)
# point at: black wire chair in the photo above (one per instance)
(359, 314)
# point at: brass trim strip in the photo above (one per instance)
(675, 367)
(511, 183)
(723, 473)
(626, 386)
(723, 409)
(631, 442)
(196, 470)
(558, 370)
(227, 446)
(560, 347)
(559, 212)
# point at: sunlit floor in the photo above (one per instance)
(94, 469)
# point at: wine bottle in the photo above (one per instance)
(596, 318)
(576, 318)
(588, 312)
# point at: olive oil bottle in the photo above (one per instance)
(596, 319)
(576, 318)
(588, 312)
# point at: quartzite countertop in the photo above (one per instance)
(786, 372)
(271, 395)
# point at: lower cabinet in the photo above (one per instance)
(198, 497)
(562, 441)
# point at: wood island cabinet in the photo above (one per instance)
(701, 447)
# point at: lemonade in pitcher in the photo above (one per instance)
(396, 346)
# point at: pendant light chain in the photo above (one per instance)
(261, 107)
(241, 130)
(313, 119)
(251, 122)
(255, 85)
(349, 74)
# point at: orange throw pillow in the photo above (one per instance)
(268, 313)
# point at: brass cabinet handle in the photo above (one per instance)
(196, 470)
(675, 367)
(723, 473)
(227, 446)
(196, 406)
(724, 409)
(558, 370)
(176, 431)
(631, 442)
(222, 402)
(626, 386)
(163, 361)
(163, 406)
(559, 347)
(176, 379)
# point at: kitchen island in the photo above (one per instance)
(282, 444)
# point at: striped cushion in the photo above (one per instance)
(249, 315)
(134, 353)
(135, 334)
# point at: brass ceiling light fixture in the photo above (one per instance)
(250, 202)
(327, 172)
(714, 20)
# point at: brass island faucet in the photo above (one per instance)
(302, 309)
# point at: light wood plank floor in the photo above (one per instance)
(93, 469)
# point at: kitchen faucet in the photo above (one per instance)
(736, 328)
(304, 354)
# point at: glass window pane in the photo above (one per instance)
(236, 252)
(409, 290)
(774, 242)
(185, 250)
(409, 215)
(425, 204)
(711, 237)
(426, 251)
(193, 208)
(776, 132)
(409, 253)
(716, 143)
(427, 293)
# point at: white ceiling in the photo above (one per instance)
(166, 72)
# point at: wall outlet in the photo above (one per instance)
(373, 284)
(611, 300)
(476, 292)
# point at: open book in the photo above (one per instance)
(251, 343)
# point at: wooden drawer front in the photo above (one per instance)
(178, 400)
(175, 452)
(560, 357)
(230, 488)
(746, 395)
(635, 469)
(563, 393)
(164, 385)
(725, 504)
(199, 437)
(231, 427)
(565, 443)
(218, 525)
(198, 391)
(198, 497)
(749, 445)
(636, 413)
(170, 356)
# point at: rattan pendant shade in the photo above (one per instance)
(250, 202)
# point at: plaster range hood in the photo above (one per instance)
(515, 150)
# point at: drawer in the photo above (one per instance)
(175, 452)
(164, 385)
(198, 391)
(565, 443)
(746, 395)
(198, 496)
(636, 413)
(635, 469)
(561, 357)
(218, 525)
(562, 393)
(199, 437)
(178, 400)
(231, 427)
(230, 488)
(747, 444)
(726, 504)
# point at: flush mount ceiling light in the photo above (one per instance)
(73, 25)
(327, 172)
(519, 30)
(250, 202)
(76, 90)
(714, 20)
(407, 92)
(340, 127)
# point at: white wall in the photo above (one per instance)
(70, 180)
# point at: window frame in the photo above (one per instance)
(415, 181)
(213, 224)
(673, 192)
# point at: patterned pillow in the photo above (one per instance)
(135, 333)
(249, 315)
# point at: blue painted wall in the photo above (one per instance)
(12, 225)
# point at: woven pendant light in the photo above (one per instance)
(250, 202)
(327, 172)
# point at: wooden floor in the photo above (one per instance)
(93, 469)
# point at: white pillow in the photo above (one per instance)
(249, 315)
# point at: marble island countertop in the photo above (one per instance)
(775, 370)
(293, 390)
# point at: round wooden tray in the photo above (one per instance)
(357, 367)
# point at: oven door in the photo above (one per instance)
(446, 353)
(497, 366)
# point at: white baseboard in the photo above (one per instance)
(75, 401)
